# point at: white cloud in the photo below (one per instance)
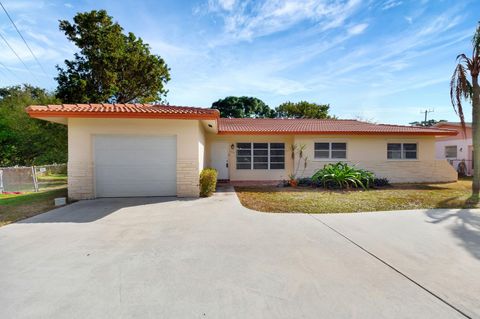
(389, 4)
(358, 29)
(246, 20)
(227, 4)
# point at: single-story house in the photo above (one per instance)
(458, 148)
(118, 150)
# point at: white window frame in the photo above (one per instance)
(329, 159)
(402, 154)
(456, 151)
(252, 156)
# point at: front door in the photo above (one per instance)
(219, 158)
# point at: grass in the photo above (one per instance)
(14, 207)
(320, 201)
(53, 177)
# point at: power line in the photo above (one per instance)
(19, 58)
(9, 70)
(24, 41)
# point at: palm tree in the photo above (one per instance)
(463, 89)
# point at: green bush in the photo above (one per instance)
(341, 175)
(208, 181)
(381, 182)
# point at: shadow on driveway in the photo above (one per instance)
(465, 226)
(87, 211)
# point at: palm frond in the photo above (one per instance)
(476, 42)
(460, 88)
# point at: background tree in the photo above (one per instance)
(27, 141)
(243, 106)
(431, 122)
(303, 109)
(461, 88)
(111, 66)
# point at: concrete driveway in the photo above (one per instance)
(212, 258)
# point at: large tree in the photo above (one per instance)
(303, 109)
(243, 106)
(27, 141)
(111, 66)
(464, 86)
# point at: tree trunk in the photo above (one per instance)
(476, 137)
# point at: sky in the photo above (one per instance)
(383, 61)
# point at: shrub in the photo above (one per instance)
(381, 182)
(305, 181)
(208, 182)
(341, 175)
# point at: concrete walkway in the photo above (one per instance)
(213, 258)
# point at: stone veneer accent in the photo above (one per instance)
(401, 171)
(187, 178)
(80, 181)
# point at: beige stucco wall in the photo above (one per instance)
(369, 152)
(256, 174)
(201, 148)
(80, 158)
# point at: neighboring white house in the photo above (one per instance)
(456, 149)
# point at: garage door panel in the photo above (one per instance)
(135, 165)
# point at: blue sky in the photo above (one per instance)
(379, 60)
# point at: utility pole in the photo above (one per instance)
(426, 114)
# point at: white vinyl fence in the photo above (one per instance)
(32, 178)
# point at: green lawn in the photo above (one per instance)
(319, 201)
(15, 207)
(53, 177)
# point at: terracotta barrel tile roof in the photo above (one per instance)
(122, 110)
(230, 126)
(312, 126)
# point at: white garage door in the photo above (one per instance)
(127, 166)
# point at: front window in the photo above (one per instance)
(451, 151)
(260, 155)
(402, 151)
(328, 150)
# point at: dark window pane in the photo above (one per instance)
(394, 146)
(244, 159)
(260, 152)
(277, 152)
(339, 146)
(394, 154)
(277, 145)
(410, 147)
(277, 159)
(339, 154)
(244, 145)
(243, 166)
(322, 146)
(260, 166)
(411, 154)
(321, 154)
(451, 151)
(244, 152)
(277, 166)
(260, 145)
(260, 159)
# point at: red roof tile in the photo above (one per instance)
(230, 126)
(122, 110)
(312, 126)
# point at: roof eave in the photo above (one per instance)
(453, 133)
(145, 115)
